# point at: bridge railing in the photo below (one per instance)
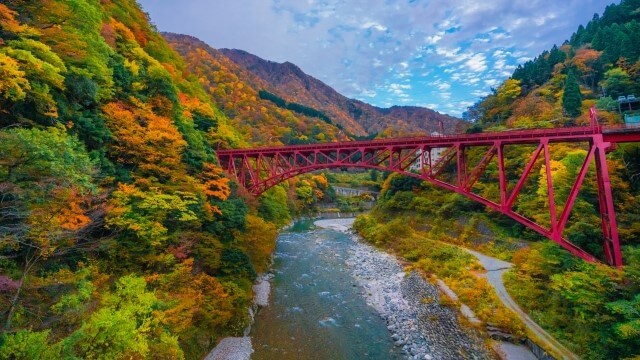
(437, 139)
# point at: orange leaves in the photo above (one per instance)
(194, 105)
(585, 59)
(72, 217)
(194, 299)
(320, 180)
(109, 34)
(215, 184)
(9, 23)
(145, 139)
(53, 224)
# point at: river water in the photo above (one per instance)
(316, 310)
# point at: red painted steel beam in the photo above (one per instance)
(261, 168)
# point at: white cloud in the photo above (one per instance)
(449, 53)
(470, 45)
(444, 86)
(373, 25)
(433, 39)
(480, 93)
(477, 63)
(369, 93)
(399, 86)
(492, 82)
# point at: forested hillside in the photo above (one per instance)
(237, 93)
(291, 83)
(119, 235)
(593, 309)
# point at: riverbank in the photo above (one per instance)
(410, 305)
(416, 321)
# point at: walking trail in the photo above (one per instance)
(495, 269)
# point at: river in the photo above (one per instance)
(336, 298)
(316, 309)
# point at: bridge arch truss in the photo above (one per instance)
(444, 162)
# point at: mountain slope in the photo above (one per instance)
(236, 92)
(290, 82)
(119, 235)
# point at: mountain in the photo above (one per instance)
(236, 92)
(290, 82)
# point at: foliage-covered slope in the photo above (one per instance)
(602, 57)
(594, 309)
(237, 93)
(290, 82)
(119, 235)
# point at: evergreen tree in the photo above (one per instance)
(571, 99)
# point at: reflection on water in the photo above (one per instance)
(316, 311)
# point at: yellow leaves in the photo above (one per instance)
(13, 84)
(258, 241)
(558, 173)
(146, 213)
(132, 66)
(195, 105)
(509, 91)
(30, 69)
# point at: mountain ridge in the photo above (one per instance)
(292, 83)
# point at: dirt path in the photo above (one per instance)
(495, 269)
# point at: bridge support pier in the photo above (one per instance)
(612, 251)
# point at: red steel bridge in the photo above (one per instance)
(445, 162)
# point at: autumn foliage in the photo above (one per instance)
(116, 223)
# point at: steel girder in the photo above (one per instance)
(443, 161)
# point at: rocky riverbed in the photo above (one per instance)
(335, 297)
(417, 323)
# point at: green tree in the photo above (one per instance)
(617, 82)
(124, 327)
(571, 98)
(44, 177)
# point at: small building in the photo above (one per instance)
(436, 154)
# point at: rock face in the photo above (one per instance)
(290, 82)
(418, 324)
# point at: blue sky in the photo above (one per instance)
(443, 55)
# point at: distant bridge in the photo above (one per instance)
(259, 169)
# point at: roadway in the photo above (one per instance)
(495, 270)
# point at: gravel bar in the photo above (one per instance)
(417, 323)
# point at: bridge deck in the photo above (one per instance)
(532, 136)
(259, 169)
